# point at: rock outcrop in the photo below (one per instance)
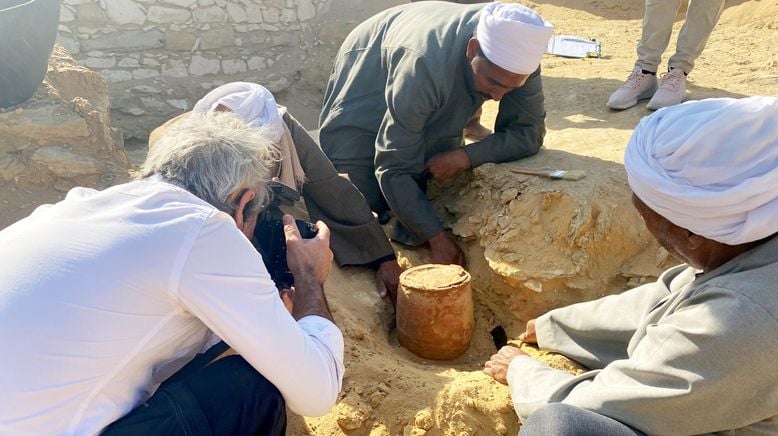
(60, 138)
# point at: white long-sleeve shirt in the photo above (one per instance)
(106, 294)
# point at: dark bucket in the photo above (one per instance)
(28, 29)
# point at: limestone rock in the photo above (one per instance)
(306, 10)
(123, 12)
(45, 124)
(212, 14)
(237, 13)
(181, 3)
(271, 15)
(10, 166)
(70, 44)
(175, 68)
(125, 40)
(99, 62)
(59, 138)
(115, 76)
(90, 13)
(66, 14)
(128, 63)
(253, 13)
(64, 163)
(219, 37)
(233, 66)
(71, 80)
(423, 419)
(144, 73)
(256, 63)
(352, 412)
(165, 15)
(179, 41)
(201, 66)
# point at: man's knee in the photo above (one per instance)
(551, 419)
(363, 177)
(237, 399)
(558, 419)
(241, 377)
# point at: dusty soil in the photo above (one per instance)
(531, 243)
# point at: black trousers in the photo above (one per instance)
(225, 397)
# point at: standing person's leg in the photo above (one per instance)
(226, 396)
(701, 18)
(657, 28)
(558, 419)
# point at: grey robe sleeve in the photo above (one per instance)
(519, 128)
(357, 238)
(411, 97)
(709, 366)
(595, 333)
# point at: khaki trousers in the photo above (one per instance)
(701, 17)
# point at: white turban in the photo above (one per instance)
(252, 103)
(513, 36)
(710, 166)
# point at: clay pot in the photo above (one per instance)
(435, 311)
(28, 29)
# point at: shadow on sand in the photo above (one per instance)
(580, 103)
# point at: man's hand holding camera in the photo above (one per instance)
(310, 261)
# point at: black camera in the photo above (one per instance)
(269, 238)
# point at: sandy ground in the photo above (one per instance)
(388, 390)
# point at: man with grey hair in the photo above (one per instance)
(107, 297)
(695, 351)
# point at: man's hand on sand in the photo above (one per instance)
(445, 251)
(387, 279)
(445, 166)
(529, 336)
(498, 364)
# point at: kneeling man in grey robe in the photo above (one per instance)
(696, 351)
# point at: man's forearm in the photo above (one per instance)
(309, 299)
(410, 204)
(519, 128)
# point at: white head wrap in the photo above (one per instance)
(252, 103)
(710, 166)
(513, 36)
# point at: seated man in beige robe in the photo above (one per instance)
(694, 352)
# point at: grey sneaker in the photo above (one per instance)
(638, 86)
(672, 90)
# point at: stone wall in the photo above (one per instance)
(160, 56)
(58, 139)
